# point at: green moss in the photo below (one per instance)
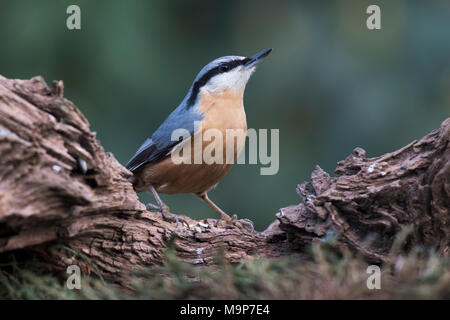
(324, 274)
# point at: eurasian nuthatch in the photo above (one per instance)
(215, 100)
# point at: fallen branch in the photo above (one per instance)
(58, 186)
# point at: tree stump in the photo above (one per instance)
(59, 187)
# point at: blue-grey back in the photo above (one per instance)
(184, 116)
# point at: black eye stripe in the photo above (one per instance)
(211, 73)
(224, 67)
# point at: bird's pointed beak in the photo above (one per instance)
(257, 58)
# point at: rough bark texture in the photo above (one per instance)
(58, 186)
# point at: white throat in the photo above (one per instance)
(235, 79)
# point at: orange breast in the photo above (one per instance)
(222, 112)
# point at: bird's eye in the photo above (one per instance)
(224, 67)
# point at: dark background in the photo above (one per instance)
(329, 85)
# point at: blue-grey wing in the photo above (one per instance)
(159, 146)
(146, 153)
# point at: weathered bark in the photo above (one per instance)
(58, 186)
(371, 199)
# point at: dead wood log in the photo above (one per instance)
(370, 200)
(58, 186)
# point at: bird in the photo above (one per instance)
(213, 101)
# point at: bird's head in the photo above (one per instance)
(225, 73)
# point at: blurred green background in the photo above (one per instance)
(329, 85)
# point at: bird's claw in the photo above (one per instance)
(174, 218)
(246, 223)
(166, 215)
(240, 223)
(152, 207)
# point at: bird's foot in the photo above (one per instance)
(241, 223)
(152, 207)
(167, 216)
(245, 223)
